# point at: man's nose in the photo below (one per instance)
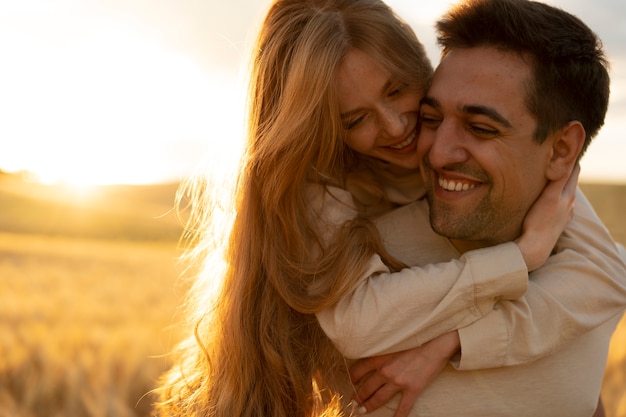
(448, 146)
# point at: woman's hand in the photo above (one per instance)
(379, 378)
(546, 220)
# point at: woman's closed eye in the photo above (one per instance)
(397, 90)
(352, 123)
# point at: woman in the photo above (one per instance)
(302, 235)
(259, 348)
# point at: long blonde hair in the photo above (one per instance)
(258, 349)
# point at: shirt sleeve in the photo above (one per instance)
(390, 312)
(435, 299)
(578, 289)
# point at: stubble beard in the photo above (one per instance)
(483, 223)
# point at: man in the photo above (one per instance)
(521, 89)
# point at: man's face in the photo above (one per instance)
(482, 169)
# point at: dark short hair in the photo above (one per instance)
(571, 79)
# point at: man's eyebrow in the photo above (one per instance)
(491, 113)
(487, 111)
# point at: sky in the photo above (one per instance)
(143, 91)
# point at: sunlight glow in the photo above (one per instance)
(110, 92)
(112, 107)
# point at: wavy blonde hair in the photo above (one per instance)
(257, 349)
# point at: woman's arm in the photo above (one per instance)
(436, 299)
(526, 337)
(579, 288)
(575, 291)
(390, 312)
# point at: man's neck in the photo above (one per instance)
(508, 234)
(467, 245)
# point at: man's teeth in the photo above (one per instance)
(406, 143)
(450, 185)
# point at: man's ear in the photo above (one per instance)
(567, 145)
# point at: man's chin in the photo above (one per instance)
(444, 224)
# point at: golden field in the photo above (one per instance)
(88, 298)
(89, 295)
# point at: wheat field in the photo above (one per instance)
(87, 316)
(88, 298)
(83, 325)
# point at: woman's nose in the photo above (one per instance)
(393, 121)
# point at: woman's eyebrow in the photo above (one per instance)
(385, 87)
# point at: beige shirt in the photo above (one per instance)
(501, 317)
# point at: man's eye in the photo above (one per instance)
(429, 121)
(484, 131)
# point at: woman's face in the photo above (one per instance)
(379, 112)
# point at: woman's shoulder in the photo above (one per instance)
(330, 203)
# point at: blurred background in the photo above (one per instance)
(140, 91)
(105, 105)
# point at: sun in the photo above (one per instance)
(74, 182)
(108, 106)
